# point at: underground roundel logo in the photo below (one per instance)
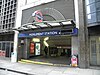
(38, 16)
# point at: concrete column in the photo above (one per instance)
(83, 36)
(76, 13)
(75, 45)
(26, 48)
(14, 54)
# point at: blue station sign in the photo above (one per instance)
(48, 33)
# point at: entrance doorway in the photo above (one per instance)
(95, 50)
(58, 49)
(6, 47)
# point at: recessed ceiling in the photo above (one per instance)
(64, 41)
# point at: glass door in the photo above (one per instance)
(95, 50)
(6, 47)
(98, 52)
(0, 49)
(93, 55)
(3, 46)
(11, 48)
(0, 46)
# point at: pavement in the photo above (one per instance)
(9, 68)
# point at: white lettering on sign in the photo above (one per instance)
(44, 33)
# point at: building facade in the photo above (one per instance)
(93, 29)
(7, 22)
(93, 20)
(14, 14)
(53, 20)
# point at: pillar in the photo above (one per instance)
(74, 45)
(83, 36)
(15, 46)
(26, 48)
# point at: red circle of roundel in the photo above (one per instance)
(38, 16)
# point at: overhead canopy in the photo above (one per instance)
(40, 25)
(46, 24)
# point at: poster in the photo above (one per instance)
(37, 49)
(32, 47)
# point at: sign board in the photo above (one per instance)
(48, 33)
(45, 33)
(74, 61)
(32, 47)
(37, 48)
(38, 16)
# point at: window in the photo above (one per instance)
(3, 26)
(15, 1)
(3, 46)
(93, 46)
(98, 6)
(9, 26)
(98, 16)
(89, 1)
(93, 11)
(4, 22)
(11, 2)
(97, 0)
(12, 24)
(9, 20)
(91, 8)
(8, 3)
(92, 18)
(88, 9)
(10, 11)
(13, 19)
(14, 5)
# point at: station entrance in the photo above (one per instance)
(48, 43)
(50, 49)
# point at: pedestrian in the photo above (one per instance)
(46, 51)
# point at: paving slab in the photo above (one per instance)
(37, 69)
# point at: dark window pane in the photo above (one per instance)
(0, 46)
(98, 6)
(97, 0)
(93, 46)
(3, 46)
(98, 16)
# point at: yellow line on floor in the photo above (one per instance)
(35, 62)
(21, 62)
(41, 63)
